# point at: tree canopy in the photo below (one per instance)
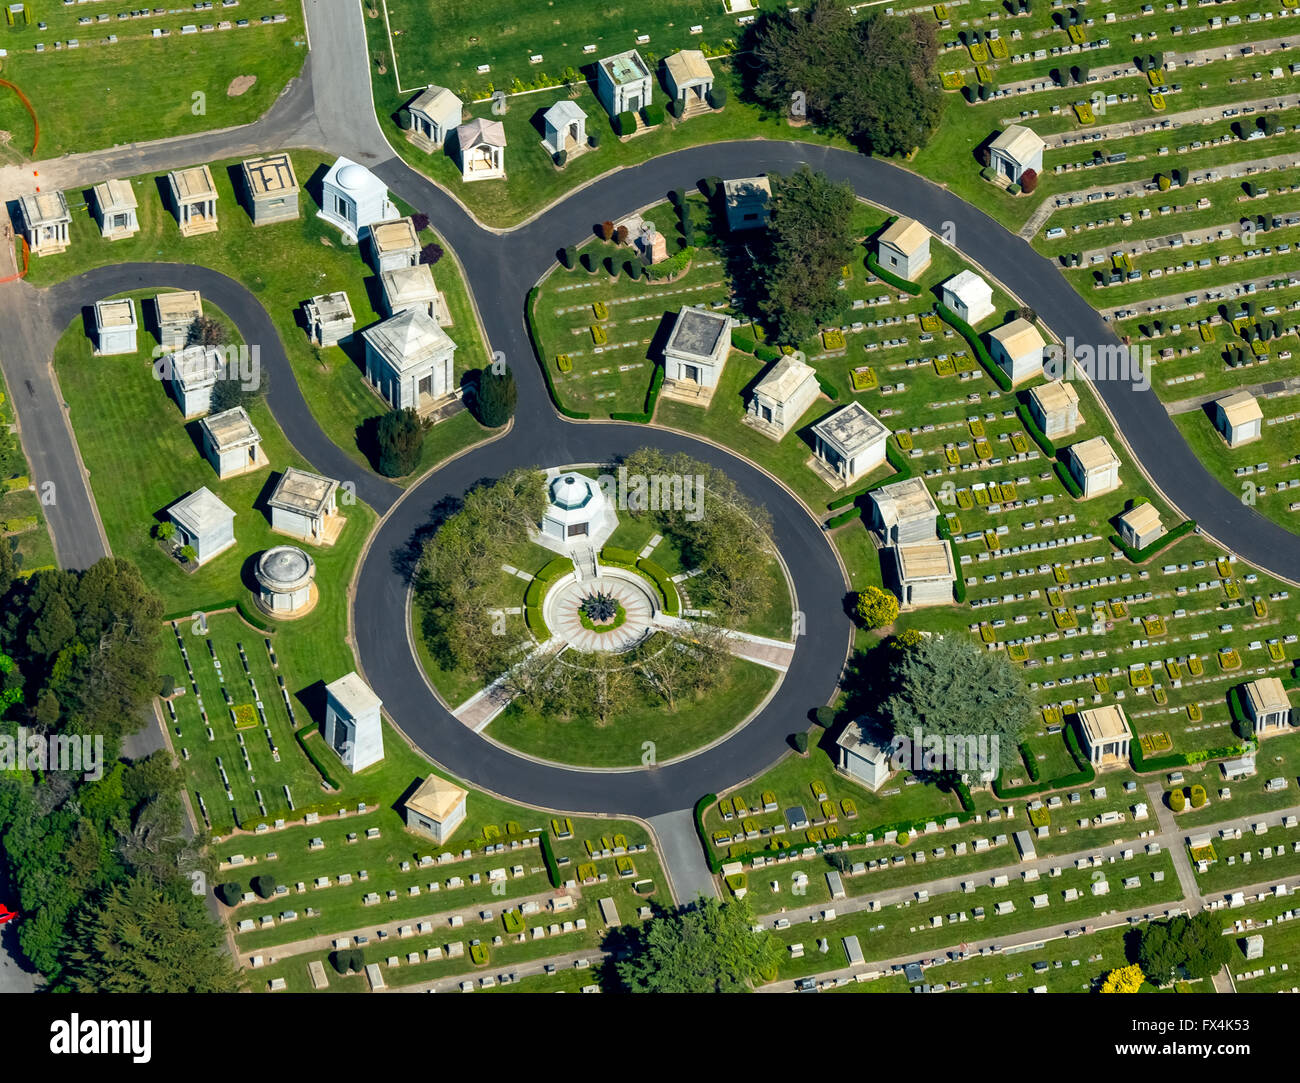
(947, 687)
(872, 80)
(711, 948)
(400, 438)
(810, 236)
(1194, 947)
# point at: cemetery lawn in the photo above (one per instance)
(226, 632)
(22, 522)
(1278, 446)
(141, 88)
(283, 265)
(135, 480)
(620, 742)
(533, 181)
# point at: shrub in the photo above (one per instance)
(741, 341)
(607, 230)
(166, 685)
(1199, 797)
(264, 886)
(494, 402)
(892, 279)
(716, 97)
(568, 257)
(1028, 181)
(875, 607)
(654, 114)
(1013, 189)
(560, 157)
(430, 254)
(593, 140)
(825, 717)
(229, 893)
(188, 554)
(625, 122)
(765, 352)
(800, 742)
(1177, 802)
(400, 440)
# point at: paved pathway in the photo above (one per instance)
(683, 857)
(562, 607)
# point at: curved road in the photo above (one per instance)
(500, 267)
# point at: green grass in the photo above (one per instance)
(283, 265)
(33, 544)
(645, 728)
(142, 88)
(135, 480)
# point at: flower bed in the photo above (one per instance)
(833, 339)
(564, 362)
(863, 378)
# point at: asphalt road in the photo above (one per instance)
(501, 266)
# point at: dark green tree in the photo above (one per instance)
(946, 687)
(811, 240)
(143, 938)
(400, 439)
(709, 949)
(1194, 947)
(494, 402)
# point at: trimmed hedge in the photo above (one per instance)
(843, 517)
(1039, 437)
(548, 856)
(873, 265)
(301, 735)
(701, 807)
(765, 352)
(741, 341)
(976, 344)
(536, 625)
(576, 415)
(828, 389)
(672, 603)
(1137, 556)
(625, 122)
(654, 114)
(651, 398)
(1067, 479)
(618, 556)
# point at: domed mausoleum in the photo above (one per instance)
(285, 581)
(577, 513)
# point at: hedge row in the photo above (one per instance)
(664, 581)
(1080, 777)
(618, 558)
(1177, 759)
(1137, 556)
(1039, 437)
(651, 397)
(536, 625)
(976, 344)
(1067, 479)
(873, 265)
(576, 415)
(548, 856)
(551, 571)
(902, 471)
(910, 827)
(828, 389)
(301, 735)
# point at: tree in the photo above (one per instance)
(679, 669)
(165, 530)
(420, 221)
(945, 687)
(1194, 947)
(1124, 979)
(568, 257)
(400, 438)
(1177, 800)
(872, 80)
(810, 233)
(825, 717)
(230, 893)
(143, 938)
(1024, 312)
(620, 235)
(800, 742)
(607, 230)
(1199, 797)
(495, 400)
(875, 607)
(226, 395)
(264, 886)
(205, 331)
(431, 253)
(1028, 181)
(709, 949)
